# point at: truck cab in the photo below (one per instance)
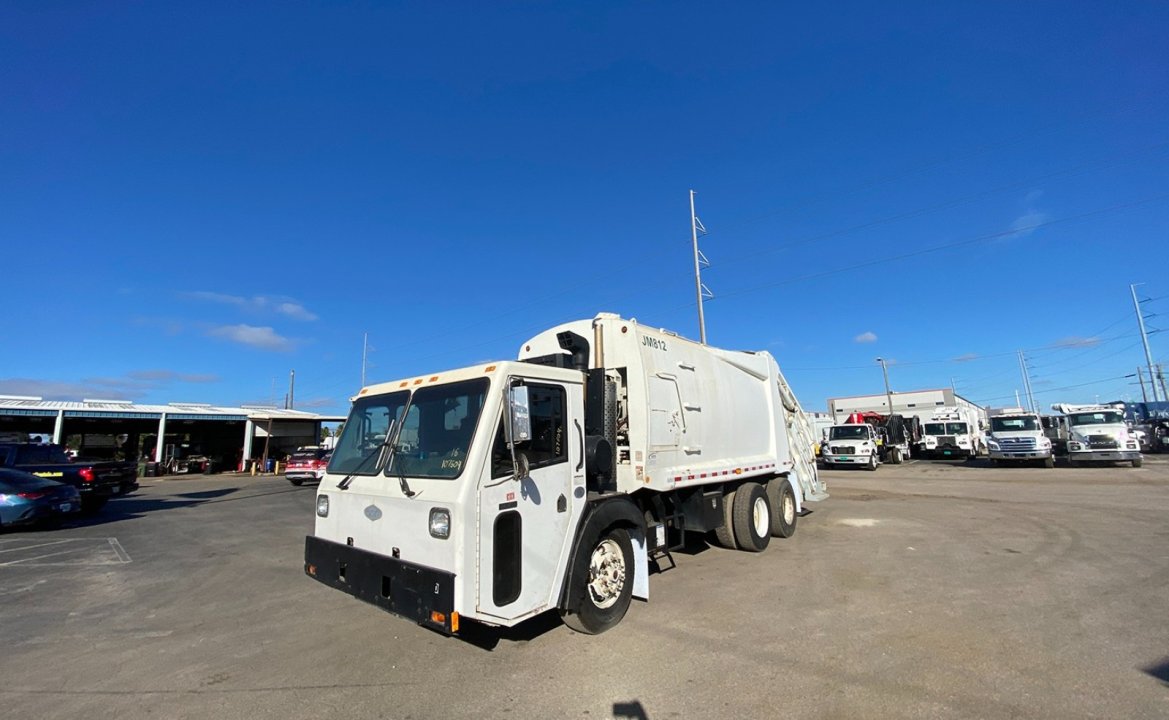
(1017, 435)
(949, 434)
(856, 444)
(1099, 433)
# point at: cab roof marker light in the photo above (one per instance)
(418, 381)
(433, 378)
(489, 368)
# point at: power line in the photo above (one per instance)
(950, 245)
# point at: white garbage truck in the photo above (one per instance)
(1099, 433)
(500, 491)
(951, 432)
(1016, 435)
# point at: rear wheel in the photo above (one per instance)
(296, 481)
(725, 535)
(783, 507)
(752, 517)
(603, 584)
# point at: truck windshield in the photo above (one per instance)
(934, 428)
(958, 428)
(848, 432)
(1013, 424)
(366, 432)
(1103, 417)
(437, 430)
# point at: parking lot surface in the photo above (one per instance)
(927, 590)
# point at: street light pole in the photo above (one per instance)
(888, 393)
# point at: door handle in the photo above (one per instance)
(580, 432)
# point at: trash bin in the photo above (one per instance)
(269, 465)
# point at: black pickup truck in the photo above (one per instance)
(97, 481)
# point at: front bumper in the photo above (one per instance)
(847, 459)
(411, 591)
(1089, 456)
(1019, 454)
(947, 452)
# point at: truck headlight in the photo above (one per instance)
(440, 523)
(322, 506)
(992, 444)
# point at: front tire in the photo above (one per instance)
(1138, 462)
(603, 584)
(872, 463)
(752, 518)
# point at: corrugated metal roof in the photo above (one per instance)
(115, 408)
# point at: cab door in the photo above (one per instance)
(525, 524)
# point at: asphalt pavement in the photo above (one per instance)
(925, 590)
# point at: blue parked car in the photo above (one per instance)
(26, 499)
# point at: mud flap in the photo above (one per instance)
(640, 565)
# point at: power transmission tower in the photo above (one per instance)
(1145, 340)
(700, 262)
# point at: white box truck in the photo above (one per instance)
(1099, 433)
(1016, 435)
(501, 491)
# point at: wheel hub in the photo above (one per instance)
(606, 573)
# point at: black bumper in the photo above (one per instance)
(404, 589)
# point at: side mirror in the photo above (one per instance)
(521, 419)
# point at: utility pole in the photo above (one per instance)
(1144, 339)
(1027, 382)
(291, 389)
(700, 261)
(888, 392)
(1018, 402)
(364, 352)
(1161, 377)
(1141, 380)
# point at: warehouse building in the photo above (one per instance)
(919, 403)
(229, 436)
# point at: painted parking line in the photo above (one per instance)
(75, 552)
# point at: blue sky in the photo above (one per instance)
(196, 198)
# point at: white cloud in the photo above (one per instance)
(133, 385)
(866, 337)
(262, 338)
(258, 304)
(966, 358)
(1076, 342)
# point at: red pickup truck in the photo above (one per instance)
(96, 481)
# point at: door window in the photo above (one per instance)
(547, 446)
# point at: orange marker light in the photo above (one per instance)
(363, 391)
(454, 622)
(433, 378)
(403, 383)
(437, 617)
(312, 570)
(418, 381)
(489, 368)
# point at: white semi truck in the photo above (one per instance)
(1099, 433)
(1017, 435)
(500, 491)
(951, 432)
(855, 444)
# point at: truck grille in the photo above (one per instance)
(946, 440)
(1022, 443)
(1102, 442)
(844, 450)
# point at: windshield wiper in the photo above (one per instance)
(348, 479)
(401, 474)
